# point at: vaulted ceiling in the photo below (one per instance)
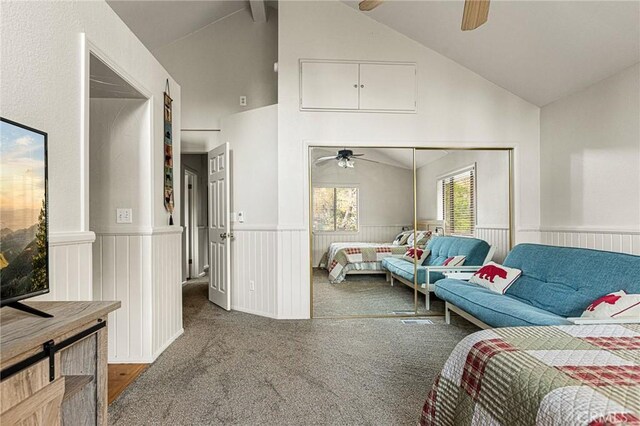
(539, 50)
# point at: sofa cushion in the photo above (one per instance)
(565, 280)
(442, 248)
(404, 269)
(494, 309)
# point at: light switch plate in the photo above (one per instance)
(243, 101)
(124, 216)
(241, 217)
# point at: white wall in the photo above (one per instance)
(253, 137)
(119, 140)
(455, 107)
(217, 64)
(590, 156)
(44, 85)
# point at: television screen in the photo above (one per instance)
(23, 212)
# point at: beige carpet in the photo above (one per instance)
(231, 368)
(368, 294)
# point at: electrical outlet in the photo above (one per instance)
(243, 101)
(241, 217)
(124, 216)
(252, 285)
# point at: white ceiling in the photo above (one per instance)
(158, 23)
(539, 50)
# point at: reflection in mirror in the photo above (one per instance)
(463, 196)
(361, 211)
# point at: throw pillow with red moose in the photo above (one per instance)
(495, 277)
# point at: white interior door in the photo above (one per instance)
(219, 227)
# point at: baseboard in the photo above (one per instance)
(167, 344)
(131, 361)
(253, 312)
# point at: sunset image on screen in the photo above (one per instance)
(23, 225)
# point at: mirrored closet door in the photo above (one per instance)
(362, 212)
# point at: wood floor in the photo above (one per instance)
(121, 376)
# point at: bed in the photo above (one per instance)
(346, 258)
(552, 375)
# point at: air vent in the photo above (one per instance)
(417, 321)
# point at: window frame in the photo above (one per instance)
(441, 213)
(334, 187)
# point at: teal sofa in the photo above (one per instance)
(556, 283)
(441, 248)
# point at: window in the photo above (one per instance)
(335, 209)
(457, 202)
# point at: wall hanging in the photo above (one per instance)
(168, 154)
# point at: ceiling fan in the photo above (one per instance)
(344, 157)
(476, 12)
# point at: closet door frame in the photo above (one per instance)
(415, 149)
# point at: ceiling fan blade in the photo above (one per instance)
(367, 5)
(323, 159)
(357, 155)
(476, 13)
(370, 161)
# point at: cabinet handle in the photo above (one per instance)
(355, 86)
(362, 86)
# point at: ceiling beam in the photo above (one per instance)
(258, 10)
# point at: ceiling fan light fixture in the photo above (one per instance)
(342, 163)
(350, 164)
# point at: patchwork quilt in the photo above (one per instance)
(560, 375)
(344, 257)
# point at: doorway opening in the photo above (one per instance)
(195, 258)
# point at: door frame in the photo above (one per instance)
(510, 149)
(191, 209)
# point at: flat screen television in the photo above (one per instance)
(24, 248)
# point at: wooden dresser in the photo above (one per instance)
(54, 370)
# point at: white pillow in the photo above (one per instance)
(614, 305)
(495, 277)
(422, 255)
(401, 238)
(454, 261)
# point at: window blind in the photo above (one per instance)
(458, 201)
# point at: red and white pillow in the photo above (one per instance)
(495, 277)
(411, 253)
(614, 305)
(454, 261)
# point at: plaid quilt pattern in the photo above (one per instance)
(360, 258)
(561, 375)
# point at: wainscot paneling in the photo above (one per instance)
(366, 234)
(119, 274)
(166, 287)
(623, 241)
(69, 266)
(293, 291)
(496, 236)
(253, 271)
(141, 269)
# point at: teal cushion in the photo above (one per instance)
(442, 248)
(403, 268)
(564, 280)
(492, 308)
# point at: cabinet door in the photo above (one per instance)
(329, 85)
(388, 87)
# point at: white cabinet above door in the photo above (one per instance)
(357, 86)
(388, 87)
(329, 85)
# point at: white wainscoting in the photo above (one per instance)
(166, 287)
(119, 273)
(141, 269)
(293, 286)
(623, 240)
(254, 258)
(366, 234)
(69, 266)
(496, 236)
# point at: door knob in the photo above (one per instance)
(223, 235)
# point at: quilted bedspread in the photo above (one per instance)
(344, 257)
(560, 375)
